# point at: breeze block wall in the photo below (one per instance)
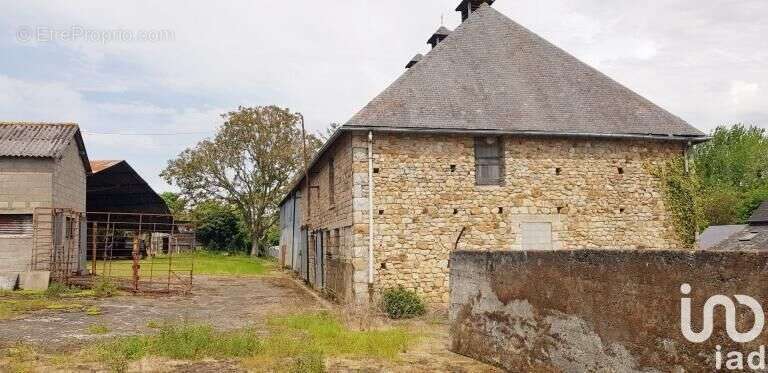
(69, 180)
(600, 310)
(595, 193)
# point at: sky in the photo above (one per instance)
(147, 79)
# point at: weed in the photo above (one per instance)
(400, 303)
(56, 290)
(93, 311)
(104, 287)
(180, 342)
(98, 329)
(152, 324)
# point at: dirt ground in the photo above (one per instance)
(225, 303)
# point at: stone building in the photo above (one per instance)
(494, 140)
(43, 167)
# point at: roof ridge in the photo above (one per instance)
(492, 73)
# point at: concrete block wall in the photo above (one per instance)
(69, 180)
(25, 183)
(15, 254)
(598, 310)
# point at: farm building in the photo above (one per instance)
(494, 140)
(120, 204)
(43, 168)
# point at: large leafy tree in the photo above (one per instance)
(732, 171)
(248, 165)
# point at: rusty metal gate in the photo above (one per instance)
(57, 244)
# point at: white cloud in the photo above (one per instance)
(743, 92)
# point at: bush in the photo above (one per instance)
(103, 287)
(400, 303)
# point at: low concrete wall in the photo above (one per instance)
(578, 311)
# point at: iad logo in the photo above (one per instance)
(730, 317)
(734, 360)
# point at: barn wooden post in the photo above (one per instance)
(136, 254)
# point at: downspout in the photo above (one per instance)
(370, 211)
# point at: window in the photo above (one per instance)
(489, 161)
(536, 236)
(331, 183)
(15, 224)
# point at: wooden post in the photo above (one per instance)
(136, 255)
(93, 249)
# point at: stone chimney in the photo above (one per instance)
(414, 60)
(468, 6)
(438, 36)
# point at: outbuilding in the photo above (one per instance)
(43, 168)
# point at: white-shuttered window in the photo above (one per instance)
(489, 161)
(15, 224)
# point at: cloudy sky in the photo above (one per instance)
(145, 79)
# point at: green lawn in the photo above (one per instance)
(200, 262)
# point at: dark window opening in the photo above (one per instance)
(453, 168)
(621, 210)
(621, 171)
(559, 210)
(489, 161)
(376, 170)
(383, 265)
(501, 210)
(455, 211)
(15, 224)
(381, 212)
(558, 171)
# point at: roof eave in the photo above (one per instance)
(639, 136)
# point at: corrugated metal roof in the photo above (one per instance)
(42, 140)
(101, 165)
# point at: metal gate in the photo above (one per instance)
(57, 242)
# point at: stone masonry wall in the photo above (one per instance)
(332, 217)
(425, 193)
(600, 310)
(69, 180)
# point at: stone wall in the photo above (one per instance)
(598, 310)
(333, 216)
(69, 180)
(594, 194)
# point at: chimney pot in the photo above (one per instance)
(468, 6)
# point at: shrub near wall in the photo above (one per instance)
(589, 310)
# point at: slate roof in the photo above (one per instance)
(760, 216)
(492, 74)
(39, 140)
(414, 60)
(716, 234)
(751, 238)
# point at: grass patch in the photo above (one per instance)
(297, 343)
(201, 262)
(93, 311)
(180, 342)
(98, 329)
(10, 308)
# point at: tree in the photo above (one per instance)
(732, 169)
(177, 204)
(219, 227)
(248, 164)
